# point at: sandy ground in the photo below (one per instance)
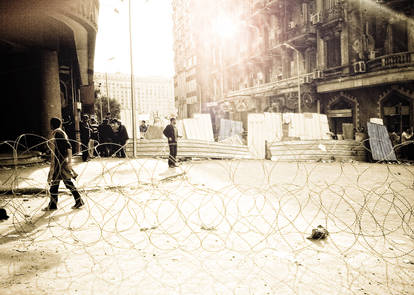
(223, 227)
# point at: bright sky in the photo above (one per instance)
(151, 33)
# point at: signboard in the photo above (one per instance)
(376, 121)
(344, 113)
(394, 110)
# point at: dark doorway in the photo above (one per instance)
(396, 112)
(340, 112)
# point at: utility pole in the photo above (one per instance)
(132, 82)
(107, 91)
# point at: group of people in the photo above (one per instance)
(107, 133)
(407, 147)
(105, 139)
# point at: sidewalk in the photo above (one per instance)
(95, 174)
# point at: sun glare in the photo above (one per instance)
(226, 27)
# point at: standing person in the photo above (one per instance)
(85, 135)
(106, 135)
(61, 166)
(406, 136)
(143, 128)
(122, 138)
(94, 140)
(171, 133)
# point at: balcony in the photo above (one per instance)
(280, 86)
(333, 14)
(336, 72)
(274, 6)
(300, 34)
(258, 4)
(395, 60)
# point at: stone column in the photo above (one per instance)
(410, 32)
(320, 52)
(50, 95)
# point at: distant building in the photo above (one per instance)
(353, 60)
(153, 96)
(190, 19)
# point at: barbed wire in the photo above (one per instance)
(218, 227)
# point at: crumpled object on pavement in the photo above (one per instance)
(3, 214)
(318, 233)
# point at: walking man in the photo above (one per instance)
(171, 133)
(61, 166)
(85, 135)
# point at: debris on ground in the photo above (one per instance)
(318, 233)
(207, 228)
(3, 214)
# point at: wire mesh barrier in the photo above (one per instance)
(209, 227)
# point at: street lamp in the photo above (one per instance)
(99, 96)
(106, 84)
(134, 147)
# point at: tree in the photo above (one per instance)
(114, 106)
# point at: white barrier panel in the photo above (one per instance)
(317, 150)
(273, 127)
(256, 137)
(190, 148)
(204, 121)
(199, 128)
(229, 128)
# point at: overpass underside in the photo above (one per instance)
(46, 53)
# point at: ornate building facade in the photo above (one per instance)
(350, 59)
(47, 51)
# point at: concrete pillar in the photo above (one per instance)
(50, 97)
(320, 52)
(410, 32)
(344, 45)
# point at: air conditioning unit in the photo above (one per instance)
(317, 74)
(360, 67)
(292, 25)
(307, 79)
(315, 18)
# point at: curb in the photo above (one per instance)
(35, 190)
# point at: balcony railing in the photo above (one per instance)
(300, 29)
(258, 4)
(271, 86)
(334, 13)
(336, 72)
(394, 60)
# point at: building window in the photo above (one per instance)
(333, 49)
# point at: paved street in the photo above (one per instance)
(212, 227)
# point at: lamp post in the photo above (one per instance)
(106, 84)
(297, 67)
(132, 81)
(100, 100)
